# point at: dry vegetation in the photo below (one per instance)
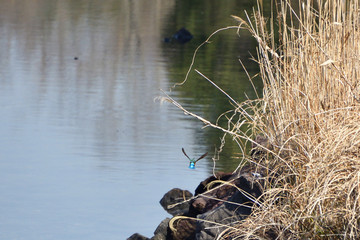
(310, 115)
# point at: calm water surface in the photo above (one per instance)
(85, 151)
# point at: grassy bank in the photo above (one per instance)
(310, 118)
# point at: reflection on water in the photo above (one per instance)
(85, 152)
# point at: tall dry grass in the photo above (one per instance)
(310, 116)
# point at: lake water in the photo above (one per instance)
(85, 150)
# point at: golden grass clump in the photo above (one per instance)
(310, 116)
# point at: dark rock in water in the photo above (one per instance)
(137, 236)
(162, 230)
(219, 176)
(224, 204)
(176, 201)
(167, 40)
(159, 237)
(185, 230)
(202, 204)
(181, 36)
(236, 206)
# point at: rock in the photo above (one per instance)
(199, 204)
(158, 237)
(181, 36)
(219, 176)
(161, 231)
(202, 204)
(137, 236)
(224, 204)
(237, 207)
(176, 201)
(185, 230)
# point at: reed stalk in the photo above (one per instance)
(309, 115)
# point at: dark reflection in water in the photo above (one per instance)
(85, 152)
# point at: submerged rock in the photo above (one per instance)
(181, 36)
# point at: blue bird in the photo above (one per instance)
(193, 161)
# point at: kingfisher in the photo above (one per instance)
(193, 161)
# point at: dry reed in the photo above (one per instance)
(310, 117)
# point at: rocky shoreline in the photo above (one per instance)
(217, 201)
